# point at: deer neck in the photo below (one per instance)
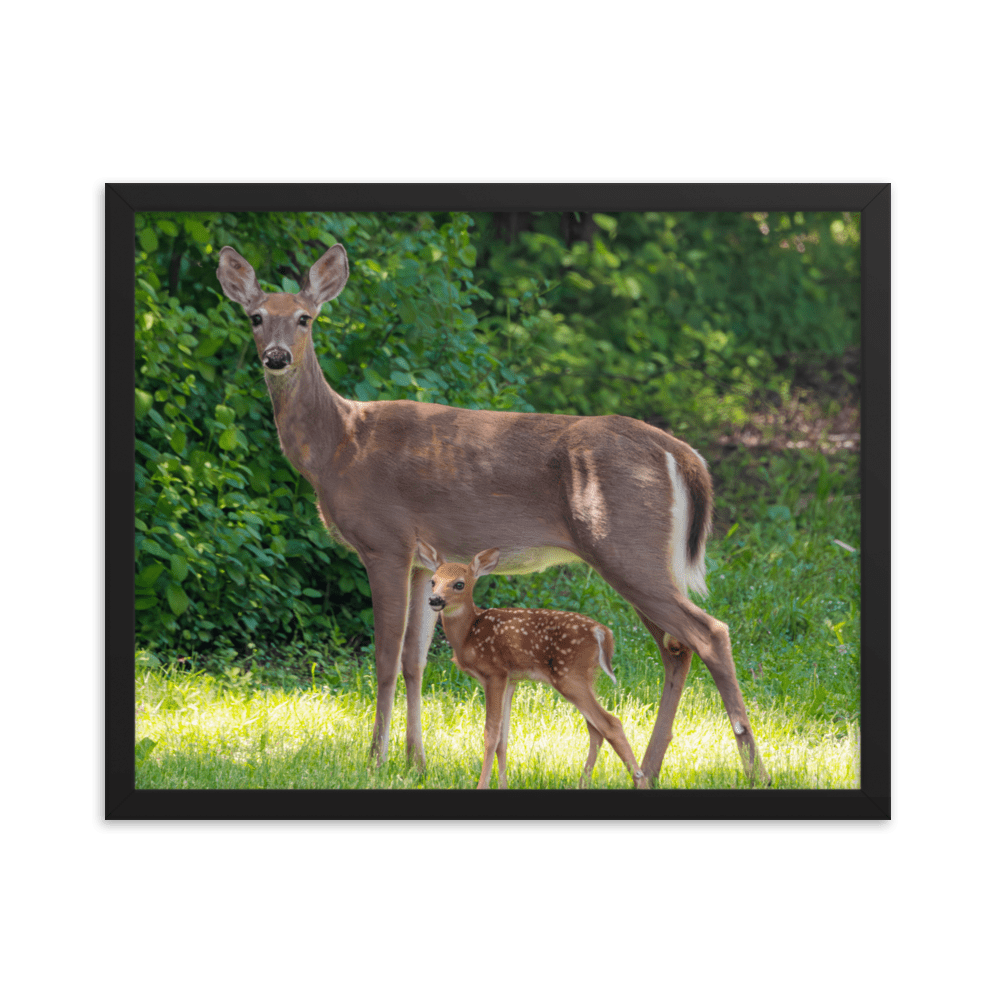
(458, 623)
(309, 415)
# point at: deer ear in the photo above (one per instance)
(327, 277)
(485, 563)
(238, 279)
(427, 554)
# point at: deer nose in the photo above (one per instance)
(437, 603)
(277, 358)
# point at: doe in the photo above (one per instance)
(622, 496)
(501, 646)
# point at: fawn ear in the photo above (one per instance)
(485, 563)
(238, 279)
(427, 554)
(327, 277)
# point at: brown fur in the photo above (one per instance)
(501, 646)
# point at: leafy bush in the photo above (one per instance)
(228, 545)
(673, 318)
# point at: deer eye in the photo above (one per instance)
(303, 321)
(256, 319)
(460, 585)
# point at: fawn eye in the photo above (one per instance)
(460, 585)
(303, 321)
(256, 319)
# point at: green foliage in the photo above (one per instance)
(228, 546)
(674, 318)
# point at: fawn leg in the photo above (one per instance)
(508, 697)
(596, 739)
(494, 689)
(578, 691)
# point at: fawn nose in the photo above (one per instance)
(437, 603)
(277, 358)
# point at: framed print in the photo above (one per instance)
(418, 488)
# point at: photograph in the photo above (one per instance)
(393, 450)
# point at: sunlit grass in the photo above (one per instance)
(196, 731)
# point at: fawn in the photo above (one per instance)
(501, 646)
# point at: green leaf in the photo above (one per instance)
(144, 658)
(225, 415)
(149, 575)
(143, 749)
(177, 599)
(197, 231)
(178, 441)
(143, 402)
(144, 603)
(606, 222)
(148, 545)
(148, 240)
(167, 226)
(178, 567)
(228, 439)
(209, 346)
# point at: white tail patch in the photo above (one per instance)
(602, 657)
(686, 575)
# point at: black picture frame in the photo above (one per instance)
(124, 801)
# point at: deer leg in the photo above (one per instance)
(693, 628)
(596, 739)
(578, 691)
(495, 690)
(390, 583)
(717, 655)
(417, 639)
(676, 664)
(508, 697)
(660, 603)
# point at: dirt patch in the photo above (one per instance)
(822, 412)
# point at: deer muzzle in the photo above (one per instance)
(437, 603)
(277, 358)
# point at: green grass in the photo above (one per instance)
(195, 731)
(301, 718)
